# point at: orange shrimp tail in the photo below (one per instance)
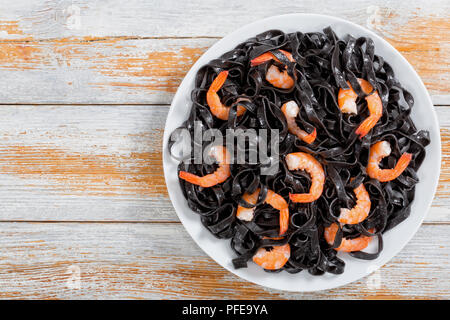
(345, 95)
(303, 197)
(310, 137)
(269, 56)
(288, 55)
(219, 81)
(240, 110)
(286, 82)
(359, 245)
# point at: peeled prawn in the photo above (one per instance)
(347, 104)
(304, 161)
(277, 78)
(217, 108)
(347, 245)
(272, 259)
(273, 199)
(360, 211)
(380, 150)
(291, 110)
(222, 156)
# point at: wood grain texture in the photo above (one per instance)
(104, 163)
(155, 18)
(105, 52)
(153, 261)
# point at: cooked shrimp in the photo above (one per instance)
(269, 56)
(347, 245)
(304, 161)
(360, 211)
(347, 104)
(277, 78)
(275, 200)
(222, 156)
(291, 110)
(272, 259)
(380, 150)
(217, 108)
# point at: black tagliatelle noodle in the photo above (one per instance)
(323, 64)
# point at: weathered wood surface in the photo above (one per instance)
(97, 163)
(142, 260)
(84, 91)
(108, 52)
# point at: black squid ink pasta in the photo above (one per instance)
(321, 64)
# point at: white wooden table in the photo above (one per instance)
(84, 93)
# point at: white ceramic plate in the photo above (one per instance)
(394, 240)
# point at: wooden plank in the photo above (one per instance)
(104, 163)
(153, 261)
(105, 52)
